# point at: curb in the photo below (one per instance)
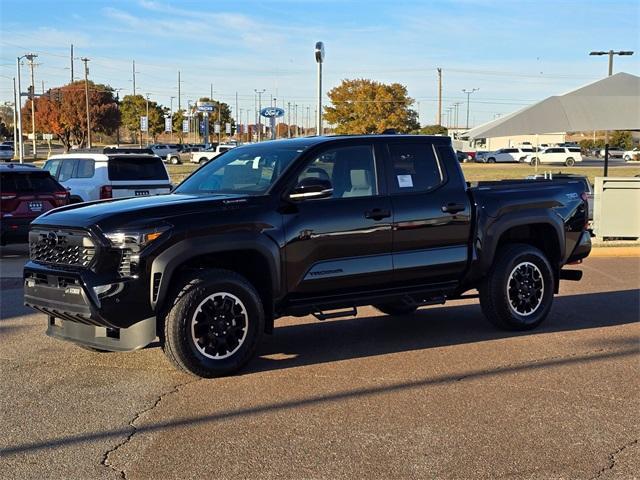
(615, 252)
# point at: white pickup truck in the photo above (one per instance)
(206, 155)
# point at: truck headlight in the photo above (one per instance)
(135, 240)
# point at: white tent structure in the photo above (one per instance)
(612, 103)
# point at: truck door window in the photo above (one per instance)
(351, 171)
(414, 167)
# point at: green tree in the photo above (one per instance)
(176, 123)
(367, 106)
(621, 138)
(224, 118)
(134, 107)
(432, 130)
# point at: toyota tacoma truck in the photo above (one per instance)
(318, 225)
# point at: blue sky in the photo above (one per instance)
(515, 52)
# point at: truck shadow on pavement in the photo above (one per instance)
(314, 343)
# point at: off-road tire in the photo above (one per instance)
(570, 162)
(494, 296)
(177, 340)
(395, 308)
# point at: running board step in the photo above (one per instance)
(351, 312)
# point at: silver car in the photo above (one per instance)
(6, 152)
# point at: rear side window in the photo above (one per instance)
(574, 149)
(414, 168)
(137, 168)
(36, 182)
(85, 169)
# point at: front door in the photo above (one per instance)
(338, 244)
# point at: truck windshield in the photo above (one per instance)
(250, 170)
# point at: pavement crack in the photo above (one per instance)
(105, 462)
(612, 458)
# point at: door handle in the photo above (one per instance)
(377, 214)
(453, 207)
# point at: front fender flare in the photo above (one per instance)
(164, 265)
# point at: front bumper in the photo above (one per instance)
(82, 309)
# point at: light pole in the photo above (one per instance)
(171, 113)
(118, 107)
(319, 53)
(30, 57)
(469, 92)
(611, 53)
(259, 93)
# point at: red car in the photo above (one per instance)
(25, 193)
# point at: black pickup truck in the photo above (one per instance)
(320, 226)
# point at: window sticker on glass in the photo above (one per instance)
(405, 181)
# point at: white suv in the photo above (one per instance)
(94, 176)
(511, 154)
(568, 156)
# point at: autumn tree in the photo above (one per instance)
(366, 106)
(62, 111)
(432, 130)
(135, 106)
(176, 123)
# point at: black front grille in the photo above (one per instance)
(61, 247)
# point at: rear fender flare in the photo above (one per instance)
(491, 237)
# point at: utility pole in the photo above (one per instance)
(219, 122)
(171, 113)
(211, 94)
(19, 109)
(86, 97)
(288, 119)
(611, 53)
(238, 116)
(148, 122)
(30, 57)
(72, 63)
(468, 92)
(259, 93)
(457, 104)
(179, 99)
(439, 119)
(118, 107)
(134, 78)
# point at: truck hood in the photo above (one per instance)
(136, 209)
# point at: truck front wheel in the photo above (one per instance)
(517, 294)
(214, 324)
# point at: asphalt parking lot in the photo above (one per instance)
(440, 394)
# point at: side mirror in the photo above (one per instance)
(311, 187)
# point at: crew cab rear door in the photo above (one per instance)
(342, 243)
(138, 176)
(432, 212)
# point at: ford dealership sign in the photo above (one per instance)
(272, 112)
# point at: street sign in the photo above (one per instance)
(206, 106)
(144, 125)
(227, 128)
(168, 124)
(216, 128)
(47, 136)
(272, 112)
(185, 126)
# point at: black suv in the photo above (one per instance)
(318, 225)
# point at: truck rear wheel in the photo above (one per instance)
(517, 294)
(395, 308)
(214, 324)
(570, 162)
